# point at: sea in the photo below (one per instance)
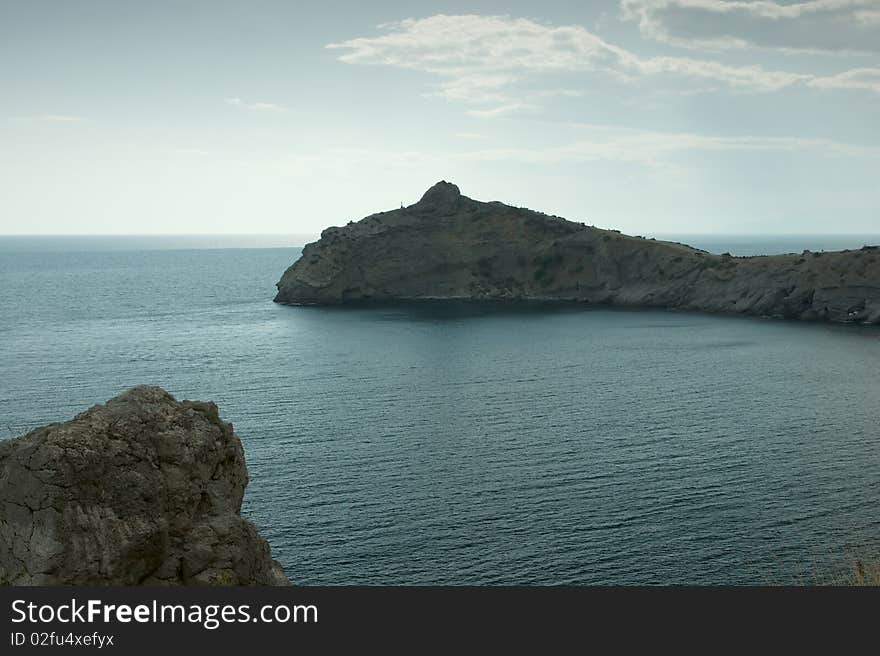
(467, 443)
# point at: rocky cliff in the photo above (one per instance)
(141, 490)
(450, 246)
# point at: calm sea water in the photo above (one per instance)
(474, 444)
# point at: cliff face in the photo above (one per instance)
(450, 246)
(141, 490)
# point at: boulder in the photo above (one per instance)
(143, 490)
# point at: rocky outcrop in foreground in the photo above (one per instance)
(142, 490)
(448, 246)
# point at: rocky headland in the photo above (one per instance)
(449, 246)
(143, 490)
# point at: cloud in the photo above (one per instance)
(582, 143)
(478, 56)
(745, 78)
(814, 26)
(502, 110)
(859, 78)
(44, 118)
(868, 17)
(58, 118)
(480, 59)
(257, 106)
(654, 148)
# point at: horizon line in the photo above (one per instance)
(317, 234)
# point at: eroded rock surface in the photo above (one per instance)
(448, 246)
(141, 490)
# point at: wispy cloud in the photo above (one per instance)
(479, 59)
(501, 110)
(45, 118)
(57, 118)
(585, 143)
(255, 106)
(815, 26)
(858, 78)
(653, 148)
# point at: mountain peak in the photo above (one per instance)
(442, 193)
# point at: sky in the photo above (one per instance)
(260, 116)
